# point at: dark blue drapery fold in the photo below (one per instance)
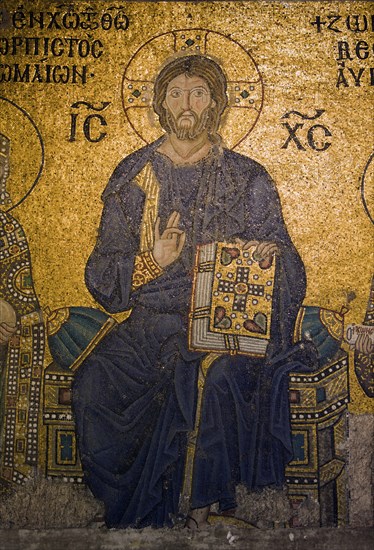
(135, 396)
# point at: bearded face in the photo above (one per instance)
(188, 105)
(189, 125)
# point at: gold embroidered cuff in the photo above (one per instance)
(145, 270)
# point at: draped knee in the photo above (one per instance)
(89, 383)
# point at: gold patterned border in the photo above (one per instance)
(145, 270)
(148, 183)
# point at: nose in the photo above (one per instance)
(186, 101)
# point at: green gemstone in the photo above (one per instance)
(26, 281)
(136, 93)
(189, 42)
(244, 94)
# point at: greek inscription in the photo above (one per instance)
(48, 74)
(360, 50)
(91, 127)
(315, 134)
(35, 46)
(292, 138)
(315, 141)
(318, 23)
(87, 128)
(338, 23)
(70, 21)
(357, 23)
(348, 76)
(87, 20)
(348, 51)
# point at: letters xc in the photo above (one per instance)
(315, 135)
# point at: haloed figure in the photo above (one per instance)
(17, 302)
(7, 312)
(135, 395)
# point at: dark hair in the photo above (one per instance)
(192, 65)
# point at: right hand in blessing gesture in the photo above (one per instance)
(168, 246)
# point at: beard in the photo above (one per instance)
(188, 126)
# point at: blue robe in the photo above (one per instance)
(135, 396)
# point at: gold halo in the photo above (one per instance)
(244, 81)
(367, 188)
(26, 151)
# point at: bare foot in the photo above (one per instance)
(198, 518)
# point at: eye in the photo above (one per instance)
(175, 93)
(199, 92)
